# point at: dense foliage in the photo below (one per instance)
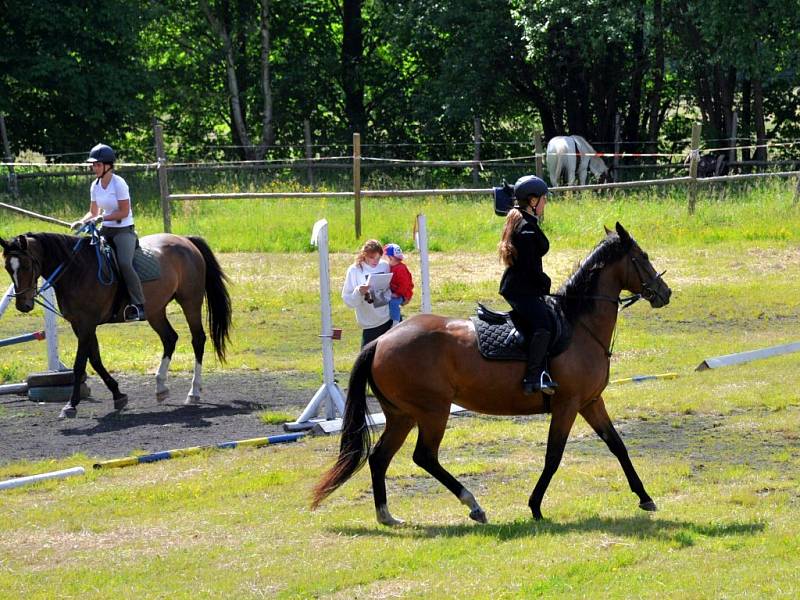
(234, 78)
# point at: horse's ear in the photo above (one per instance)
(608, 231)
(623, 235)
(23, 242)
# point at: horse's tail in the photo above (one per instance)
(355, 444)
(219, 300)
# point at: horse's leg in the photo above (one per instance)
(392, 438)
(70, 411)
(426, 455)
(120, 399)
(159, 322)
(597, 416)
(561, 422)
(194, 316)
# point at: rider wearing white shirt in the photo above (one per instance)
(111, 201)
(372, 312)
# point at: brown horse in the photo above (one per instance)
(189, 272)
(417, 370)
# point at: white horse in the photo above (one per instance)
(562, 152)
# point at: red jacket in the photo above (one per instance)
(402, 284)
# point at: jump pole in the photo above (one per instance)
(743, 357)
(329, 392)
(20, 481)
(50, 328)
(167, 454)
(421, 241)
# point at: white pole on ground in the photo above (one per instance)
(19, 481)
(421, 240)
(329, 392)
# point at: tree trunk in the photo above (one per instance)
(744, 125)
(237, 117)
(267, 125)
(631, 126)
(654, 124)
(352, 55)
(758, 120)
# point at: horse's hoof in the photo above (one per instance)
(537, 515)
(68, 412)
(478, 515)
(649, 506)
(121, 402)
(191, 400)
(162, 395)
(391, 521)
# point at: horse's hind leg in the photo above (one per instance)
(161, 325)
(392, 438)
(194, 316)
(426, 455)
(597, 416)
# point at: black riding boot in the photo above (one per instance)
(536, 378)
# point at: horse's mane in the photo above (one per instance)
(575, 295)
(57, 247)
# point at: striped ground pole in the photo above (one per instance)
(640, 378)
(156, 456)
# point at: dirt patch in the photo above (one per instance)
(229, 411)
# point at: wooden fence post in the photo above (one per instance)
(617, 144)
(7, 157)
(477, 155)
(693, 161)
(537, 146)
(163, 186)
(357, 181)
(309, 152)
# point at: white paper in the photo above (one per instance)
(378, 281)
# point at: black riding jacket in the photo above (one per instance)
(526, 277)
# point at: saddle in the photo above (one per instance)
(145, 263)
(500, 339)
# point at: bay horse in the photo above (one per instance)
(563, 152)
(189, 272)
(421, 367)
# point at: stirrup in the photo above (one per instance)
(546, 384)
(133, 312)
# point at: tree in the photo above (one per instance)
(67, 83)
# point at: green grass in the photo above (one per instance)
(717, 450)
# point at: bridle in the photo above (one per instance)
(649, 290)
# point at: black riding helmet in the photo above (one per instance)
(102, 153)
(529, 185)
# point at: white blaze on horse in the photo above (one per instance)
(563, 152)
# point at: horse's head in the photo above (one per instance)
(638, 274)
(23, 263)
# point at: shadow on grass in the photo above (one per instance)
(640, 527)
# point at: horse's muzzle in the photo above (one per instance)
(24, 305)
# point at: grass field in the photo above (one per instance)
(719, 451)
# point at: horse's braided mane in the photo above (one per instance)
(575, 295)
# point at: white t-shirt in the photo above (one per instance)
(367, 315)
(107, 199)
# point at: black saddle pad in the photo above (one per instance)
(499, 339)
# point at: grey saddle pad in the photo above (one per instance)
(145, 262)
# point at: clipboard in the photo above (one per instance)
(378, 281)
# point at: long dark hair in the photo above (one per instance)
(506, 249)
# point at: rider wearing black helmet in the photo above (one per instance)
(524, 281)
(111, 203)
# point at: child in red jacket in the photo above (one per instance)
(402, 285)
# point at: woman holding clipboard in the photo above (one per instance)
(370, 301)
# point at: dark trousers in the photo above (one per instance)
(373, 333)
(531, 314)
